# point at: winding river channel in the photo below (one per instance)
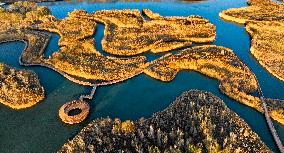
(39, 129)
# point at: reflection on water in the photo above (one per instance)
(39, 129)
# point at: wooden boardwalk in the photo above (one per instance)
(91, 95)
(268, 120)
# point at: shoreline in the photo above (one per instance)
(19, 88)
(260, 19)
(169, 127)
(97, 84)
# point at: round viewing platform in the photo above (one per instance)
(80, 106)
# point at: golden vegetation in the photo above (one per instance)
(265, 22)
(267, 45)
(36, 43)
(19, 88)
(81, 61)
(21, 15)
(276, 108)
(151, 15)
(125, 127)
(77, 55)
(71, 30)
(127, 33)
(195, 122)
(236, 80)
(13, 27)
(259, 10)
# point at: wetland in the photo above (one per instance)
(140, 94)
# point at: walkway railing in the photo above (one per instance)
(268, 120)
(91, 95)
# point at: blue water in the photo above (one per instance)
(39, 129)
(51, 47)
(278, 1)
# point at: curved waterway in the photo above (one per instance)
(38, 129)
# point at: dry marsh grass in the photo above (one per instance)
(19, 88)
(36, 43)
(267, 45)
(195, 122)
(236, 80)
(128, 33)
(77, 55)
(21, 15)
(82, 62)
(264, 22)
(258, 10)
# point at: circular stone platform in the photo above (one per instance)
(76, 104)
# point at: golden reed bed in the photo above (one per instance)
(78, 57)
(196, 122)
(19, 88)
(128, 33)
(264, 22)
(35, 41)
(236, 80)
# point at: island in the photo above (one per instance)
(78, 57)
(236, 80)
(14, 23)
(128, 33)
(76, 46)
(264, 21)
(196, 121)
(19, 88)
